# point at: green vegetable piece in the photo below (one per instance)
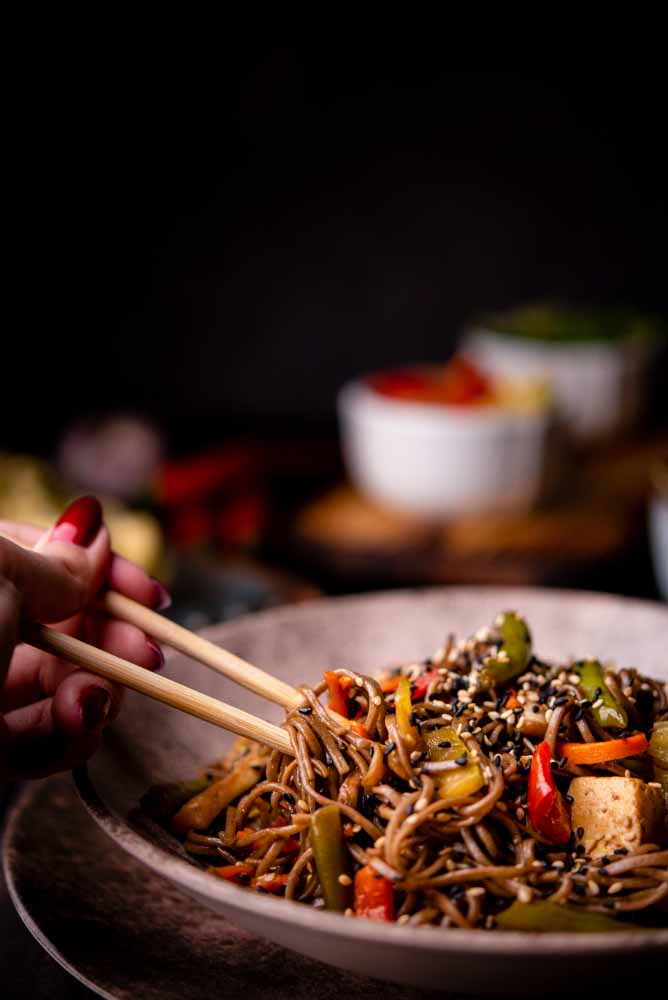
(513, 655)
(658, 751)
(162, 801)
(609, 713)
(331, 858)
(544, 916)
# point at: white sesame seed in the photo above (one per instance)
(421, 803)
(348, 912)
(476, 890)
(450, 865)
(654, 784)
(598, 703)
(302, 805)
(520, 814)
(503, 657)
(493, 716)
(548, 714)
(524, 894)
(359, 682)
(345, 879)
(592, 888)
(379, 842)
(403, 919)
(377, 700)
(615, 888)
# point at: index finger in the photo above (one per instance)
(124, 576)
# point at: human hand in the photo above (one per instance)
(51, 713)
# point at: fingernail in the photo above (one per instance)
(36, 754)
(80, 523)
(163, 598)
(95, 705)
(158, 653)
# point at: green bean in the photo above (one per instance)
(331, 859)
(544, 916)
(606, 709)
(513, 655)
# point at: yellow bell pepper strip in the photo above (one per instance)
(200, 812)
(374, 895)
(544, 916)
(547, 810)
(337, 698)
(403, 708)
(605, 708)
(466, 777)
(331, 857)
(513, 655)
(658, 749)
(162, 801)
(597, 753)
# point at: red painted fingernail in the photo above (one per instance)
(158, 653)
(95, 705)
(162, 598)
(80, 523)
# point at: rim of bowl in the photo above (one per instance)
(357, 398)
(299, 916)
(595, 348)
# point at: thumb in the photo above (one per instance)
(66, 568)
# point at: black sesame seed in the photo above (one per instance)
(428, 661)
(462, 760)
(580, 832)
(445, 744)
(535, 708)
(378, 875)
(563, 762)
(305, 710)
(460, 708)
(497, 760)
(579, 850)
(435, 696)
(569, 799)
(287, 797)
(596, 695)
(560, 701)
(579, 890)
(586, 704)
(388, 750)
(412, 718)
(577, 713)
(410, 808)
(328, 760)
(259, 888)
(621, 850)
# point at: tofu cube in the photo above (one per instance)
(616, 812)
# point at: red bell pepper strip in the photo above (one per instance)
(337, 699)
(271, 883)
(547, 809)
(422, 683)
(374, 895)
(239, 874)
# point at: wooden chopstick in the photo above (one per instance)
(168, 632)
(169, 692)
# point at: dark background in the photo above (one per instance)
(225, 256)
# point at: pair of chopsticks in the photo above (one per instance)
(170, 692)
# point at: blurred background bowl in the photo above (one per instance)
(440, 461)
(658, 525)
(597, 362)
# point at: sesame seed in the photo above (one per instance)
(403, 919)
(348, 912)
(301, 805)
(379, 842)
(345, 879)
(592, 887)
(615, 888)
(305, 710)
(598, 703)
(524, 894)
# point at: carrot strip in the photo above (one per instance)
(597, 753)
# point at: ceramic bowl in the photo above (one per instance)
(658, 525)
(152, 743)
(599, 387)
(440, 461)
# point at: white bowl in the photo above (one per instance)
(658, 530)
(437, 460)
(152, 743)
(598, 387)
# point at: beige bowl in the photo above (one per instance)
(151, 743)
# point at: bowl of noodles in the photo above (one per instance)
(489, 797)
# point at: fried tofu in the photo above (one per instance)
(609, 813)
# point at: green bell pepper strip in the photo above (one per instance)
(443, 744)
(331, 858)
(609, 714)
(513, 655)
(544, 916)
